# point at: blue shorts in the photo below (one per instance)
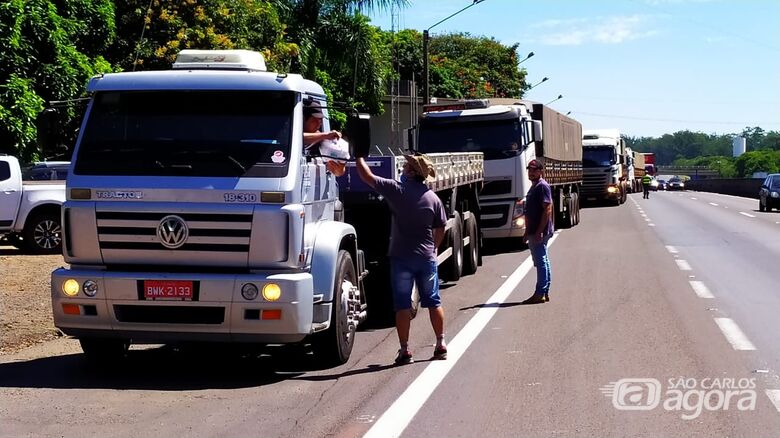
(404, 273)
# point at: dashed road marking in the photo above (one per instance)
(701, 289)
(671, 249)
(683, 265)
(774, 397)
(734, 334)
(694, 199)
(714, 204)
(650, 225)
(746, 214)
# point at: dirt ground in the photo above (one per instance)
(25, 299)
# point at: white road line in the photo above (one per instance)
(746, 214)
(774, 397)
(701, 289)
(694, 199)
(734, 334)
(671, 249)
(650, 225)
(714, 204)
(393, 422)
(683, 265)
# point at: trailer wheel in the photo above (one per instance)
(472, 255)
(43, 234)
(576, 197)
(334, 345)
(452, 268)
(99, 351)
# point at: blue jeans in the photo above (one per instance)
(542, 263)
(405, 272)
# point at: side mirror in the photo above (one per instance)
(538, 136)
(411, 138)
(49, 129)
(358, 133)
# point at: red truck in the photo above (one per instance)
(650, 163)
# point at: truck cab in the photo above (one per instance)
(504, 134)
(193, 214)
(605, 166)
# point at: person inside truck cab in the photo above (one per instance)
(313, 135)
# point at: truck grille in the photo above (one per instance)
(595, 183)
(207, 232)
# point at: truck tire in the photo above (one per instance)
(43, 234)
(471, 261)
(100, 351)
(452, 268)
(576, 197)
(334, 346)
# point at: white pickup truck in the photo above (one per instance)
(30, 210)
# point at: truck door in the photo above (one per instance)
(10, 191)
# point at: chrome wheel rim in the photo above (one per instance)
(47, 234)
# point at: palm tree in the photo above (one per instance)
(322, 29)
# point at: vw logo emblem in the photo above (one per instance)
(172, 232)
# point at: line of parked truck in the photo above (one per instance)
(216, 225)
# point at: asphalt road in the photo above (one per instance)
(626, 306)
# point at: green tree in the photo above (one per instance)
(50, 50)
(149, 39)
(757, 161)
(481, 66)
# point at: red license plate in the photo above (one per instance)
(167, 289)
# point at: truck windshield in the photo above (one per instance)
(187, 133)
(597, 156)
(495, 138)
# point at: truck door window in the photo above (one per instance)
(188, 133)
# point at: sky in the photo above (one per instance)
(645, 67)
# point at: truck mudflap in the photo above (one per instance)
(164, 307)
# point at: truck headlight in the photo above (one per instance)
(90, 288)
(70, 287)
(272, 292)
(775, 195)
(249, 291)
(612, 189)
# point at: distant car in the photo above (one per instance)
(769, 195)
(661, 185)
(47, 171)
(675, 184)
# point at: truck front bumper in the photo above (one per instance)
(217, 310)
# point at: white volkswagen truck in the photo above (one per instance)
(30, 210)
(193, 214)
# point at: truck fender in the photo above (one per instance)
(331, 237)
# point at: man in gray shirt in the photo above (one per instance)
(417, 231)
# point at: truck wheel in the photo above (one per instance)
(43, 234)
(101, 351)
(472, 255)
(334, 345)
(576, 197)
(452, 268)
